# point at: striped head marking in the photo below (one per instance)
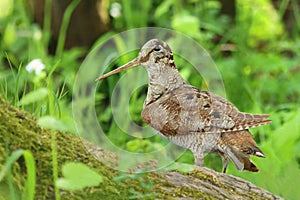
(156, 51)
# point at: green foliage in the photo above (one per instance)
(51, 123)
(29, 191)
(264, 23)
(281, 162)
(42, 91)
(258, 61)
(78, 176)
(33, 96)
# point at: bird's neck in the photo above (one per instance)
(161, 81)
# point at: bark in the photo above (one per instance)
(88, 22)
(18, 129)
(289, 16)
(228, 8)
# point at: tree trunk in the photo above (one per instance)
(289, 16)
(228, 8)
(88, 22)
(18, 129)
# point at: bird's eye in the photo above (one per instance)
(157, 48)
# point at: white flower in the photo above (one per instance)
(36, 66)
(115, 10)
(37, 34)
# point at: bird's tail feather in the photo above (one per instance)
(241, 160)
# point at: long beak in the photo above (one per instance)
(135, 62)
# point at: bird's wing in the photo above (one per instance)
(203, 111)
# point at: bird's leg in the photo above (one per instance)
(225, 164)
(199, 158)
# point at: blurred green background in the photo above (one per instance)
(255, 45)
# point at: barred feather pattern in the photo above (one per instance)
(189, 117)
(194, 119)
(237, 147)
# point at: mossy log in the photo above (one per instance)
(18, 130)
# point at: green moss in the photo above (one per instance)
(167, 190)
(18, 130)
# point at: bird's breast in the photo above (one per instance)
(163, 116)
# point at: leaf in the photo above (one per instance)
(187, 24)
(163, 8)
(10, 160)
(6, 7)
(30, 183)
(51, 123)
(34, 96)
(78, 176)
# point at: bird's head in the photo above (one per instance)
(155, 53)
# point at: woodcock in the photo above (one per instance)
(198, 120)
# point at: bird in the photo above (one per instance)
(238, 146)
(195, 119)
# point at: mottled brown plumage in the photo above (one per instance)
(194, 119)
(237, 146)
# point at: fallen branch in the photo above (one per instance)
(18, 130)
